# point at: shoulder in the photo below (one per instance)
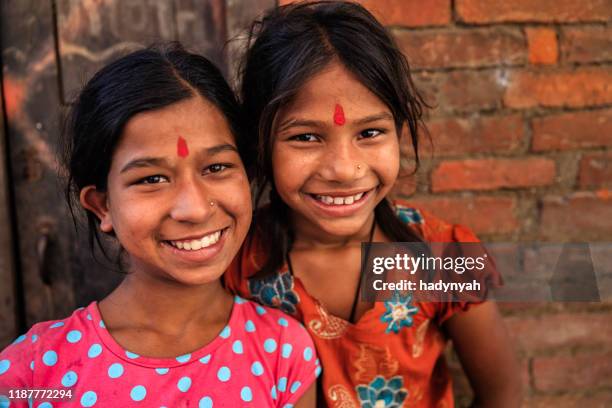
(273, 323)
(432, 228)
(42, 343)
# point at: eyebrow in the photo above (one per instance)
(318, 123)
(162, 162)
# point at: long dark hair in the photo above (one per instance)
(144, 80)
(286, 48)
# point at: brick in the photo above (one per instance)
(476, 134)
(462, 48)
(484, 215)
(582, 371)
(596, 170)
(543, 46)
(586, 44)
(491, 174)
(534, 334)
(602, 399)
(462, 91)
(582, 87)
(572, 130)
(580, 216)
(408, 13)
(546, 11)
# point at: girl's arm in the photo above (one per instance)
(309, 399)
(487, 356)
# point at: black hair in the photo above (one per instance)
(288, 46)
(144, 80)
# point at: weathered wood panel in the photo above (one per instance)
(92, 33)
(8, 302)
(30, 86)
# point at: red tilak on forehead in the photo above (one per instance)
(181, 147)
(339, 115)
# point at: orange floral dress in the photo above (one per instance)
(393, 356)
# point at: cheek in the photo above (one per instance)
(386, 161)
(289, 170)
(235, 197)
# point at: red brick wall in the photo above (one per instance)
(522, 150)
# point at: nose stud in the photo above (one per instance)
(359, 167)
(212, 203)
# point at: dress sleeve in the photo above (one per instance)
(489, 277)
(16, 368)
(298, 367)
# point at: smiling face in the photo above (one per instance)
(335, 154)
(178, 198)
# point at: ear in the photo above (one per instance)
(97, 202)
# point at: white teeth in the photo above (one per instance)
(195, 244)
(339, 200)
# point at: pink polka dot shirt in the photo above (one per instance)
(262, 358)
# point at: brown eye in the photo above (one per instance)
(370, 133)
(306, 137)
(217, 168)
(155, 179)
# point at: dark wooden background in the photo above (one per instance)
(49, 50)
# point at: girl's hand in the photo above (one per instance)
(487, 356)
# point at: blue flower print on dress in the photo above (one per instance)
(276, 291)
(381, 393)
(399, 312)
(408, 215)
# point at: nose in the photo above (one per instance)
(340, 162)
(191, 202)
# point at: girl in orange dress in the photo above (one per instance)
(329, 100)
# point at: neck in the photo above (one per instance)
(309, 236)
(146, 301)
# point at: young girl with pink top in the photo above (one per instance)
(154, 149)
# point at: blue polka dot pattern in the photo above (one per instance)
(318, 371)
(184, 358)
(115, 370)
(20, 339)
(73, 336)
(239, 300)
(295, 386)
(34, 338)
(225, 333)
(257, 368)
(69, 379)
(131, 355)
(102, 325)
(224, 374)
(283, 322)
(273, 392)
(237, 347)
(246, 394)
(50, 358)
(45, 405)
(94, 350)
(138, 393)
(89, 399)
(282, 384)
(307, 354)
(162, 371)
(56, 325)
(205, 359)
(286, 350)
(270, 345)
(184, 384)
(32, 365)
(4, 366)
(288, 406)
(205, 402)
(4, 401)
(249, 326)
(260, 310)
